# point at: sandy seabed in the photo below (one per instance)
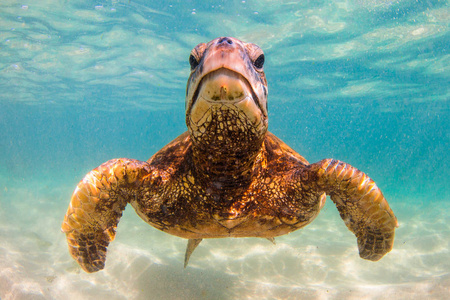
(318, 262)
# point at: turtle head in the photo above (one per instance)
(226, 95)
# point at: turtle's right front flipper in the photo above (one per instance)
(96, 207)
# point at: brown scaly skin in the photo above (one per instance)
(226, 176)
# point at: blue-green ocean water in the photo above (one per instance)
(363, 81)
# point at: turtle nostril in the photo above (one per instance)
(225, 40)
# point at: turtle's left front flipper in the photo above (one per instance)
(96, 207)
(360, 202)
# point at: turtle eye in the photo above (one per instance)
(193, 62)
(259, 62)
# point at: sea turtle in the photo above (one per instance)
(227, 176)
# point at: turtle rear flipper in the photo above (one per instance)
(96, 207)
(192, 244)
(360, 203)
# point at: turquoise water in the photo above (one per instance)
(366, 82)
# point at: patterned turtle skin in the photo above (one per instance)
(227, 176)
